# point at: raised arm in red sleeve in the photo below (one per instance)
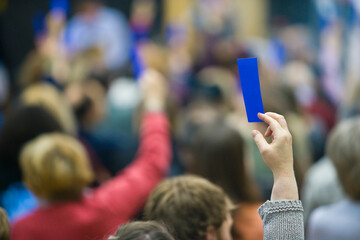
(128, 191)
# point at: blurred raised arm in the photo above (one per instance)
(126, 194)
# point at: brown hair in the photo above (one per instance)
(4, 225)
(138, 230)
(343, 148)
(55, 167)
(218, 155)
(47, 96)
(188, 205)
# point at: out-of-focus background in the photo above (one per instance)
(81, 61)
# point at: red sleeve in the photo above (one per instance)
(126, 194)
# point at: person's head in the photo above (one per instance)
(4, 225)
(138, 230)
(55, 167)
(20, 126)
(192, 208)
(88, 8)
(47, 96)
(88, 100)
(343, 148)
(221, 79)
(217, 153)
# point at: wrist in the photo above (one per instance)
(154, 105)
(285, 187)
(285, 173)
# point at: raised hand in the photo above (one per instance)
(154, 90)
(278, 155)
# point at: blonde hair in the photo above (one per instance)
(55, 167)
(47, 96)
(4, 225)
(343, 148)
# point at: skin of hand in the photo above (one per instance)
(278, 155)
(154, 90)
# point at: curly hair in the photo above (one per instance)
(187, 205)
(138, 230)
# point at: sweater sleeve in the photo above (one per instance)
(126, 193)
(282, 220)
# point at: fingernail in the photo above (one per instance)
(254, 133)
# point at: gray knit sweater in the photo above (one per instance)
(282, 220)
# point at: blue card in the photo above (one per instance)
(250, 85)
(60, 5)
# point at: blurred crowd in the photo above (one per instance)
(87, 78)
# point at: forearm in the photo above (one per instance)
(283, 216)
(285, 187)
(126, 193)
(282, 220)
(155, 147)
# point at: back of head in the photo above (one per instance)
(223, 80)
(188, 205)
(343, 148)
(4, 226)
(150, 230)
(55, 167)
(218, 154)
(21, 126)
(47, 96)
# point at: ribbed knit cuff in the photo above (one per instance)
(282, 220)
(279, 206)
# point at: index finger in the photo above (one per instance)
(279, 118)
(274, 125)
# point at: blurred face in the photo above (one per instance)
(224, 232)
(88, 10)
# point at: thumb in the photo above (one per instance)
(259, 140)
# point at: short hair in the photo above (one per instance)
(343, 149)
(4, 225)
(55, 167)
(150, 230)
(187, 205)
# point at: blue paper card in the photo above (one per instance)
(60, 5)
(250, 85)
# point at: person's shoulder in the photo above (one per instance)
(331, 214)
(326, 211)
(23, 225)
(329, 222)
(250, 205)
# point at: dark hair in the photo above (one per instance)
(83, 107)
(188, 205)
(138, 230)
(217, 154)
(21, 126)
